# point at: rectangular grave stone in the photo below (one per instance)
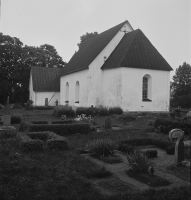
(74, 108)
(7, 120)
(108, 123)
(46, 101)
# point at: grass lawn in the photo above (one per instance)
(57, 175)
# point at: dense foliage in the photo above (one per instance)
(181, 87)
(15, 62)
(86, 37)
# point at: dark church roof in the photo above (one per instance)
(46, 79)
(92, 48)
(136, 51)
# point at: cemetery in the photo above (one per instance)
(68, 152)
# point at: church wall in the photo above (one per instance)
(132, 90)
(39, 98)
(82, 77)
(112, 87)
(95, 78)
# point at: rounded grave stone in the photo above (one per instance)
(174, 134)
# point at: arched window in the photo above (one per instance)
(77, 92)
(147, 88)
(67, 93)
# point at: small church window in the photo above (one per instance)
(77, 92)
(147, 88)
(67, 93)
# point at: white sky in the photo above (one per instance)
(166, 23)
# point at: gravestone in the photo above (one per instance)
(46, 101)
(107, 123)
(7, 120)
(175, 134)
(179, 151)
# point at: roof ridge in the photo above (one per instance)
(128, 46)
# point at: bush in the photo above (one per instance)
(87, 111)
(126, 148)
(167, 124)
(39, 122)
(163, 144)
(16, 119)
(115, 110)
(57, 144)
(27, 144)
(62, 129)
(101, 147)
(43, 107)
(102, 111)
(34, 141)
(170, 150)
(63, 110)
(67, 121)
(17, 106)
(8, 133)
(29, 105)
(24, 126)
(150, 153)
(126, 118)
(138, 162)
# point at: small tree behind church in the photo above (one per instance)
(181, 87)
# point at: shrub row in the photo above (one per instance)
(66, 121)
(151, 153)
(35, 141)
(93, 111)
(16, 119)
(43, 107)
(39, 122)
(163, 144)
(168, 124)
(61, 129)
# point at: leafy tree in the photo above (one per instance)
(85, 38)
(181, 87)
(15, 63)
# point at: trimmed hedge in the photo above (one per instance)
(115, 110)
(66, 121)
(168, 124)
(151, 153)
(43, 107)
(87, 111)
(63, 110)
(39, 122)
(35, 141)
(62, 129)
(163, 144)
(16, 119)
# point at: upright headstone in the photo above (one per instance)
(179, 151)
(7, 120)
(107, 123)
(7, 101)
(176, 134)
(46, 101)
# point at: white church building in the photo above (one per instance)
(117, 68)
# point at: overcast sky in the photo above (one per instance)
(166, 23)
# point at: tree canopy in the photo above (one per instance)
(15, 63)
(84, 38)
(181, 87)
